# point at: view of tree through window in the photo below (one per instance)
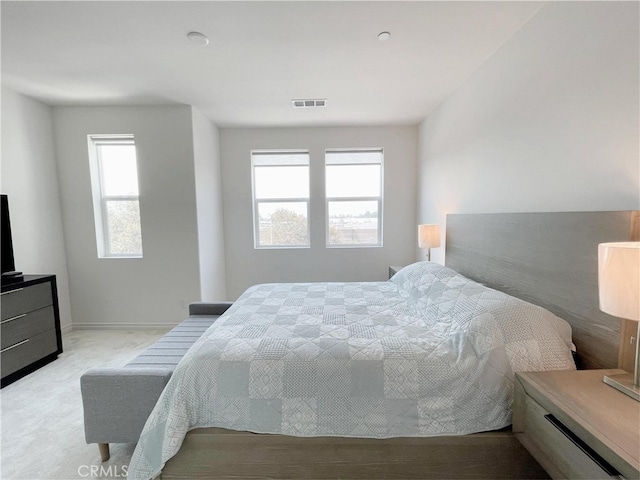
(123, 221)
(281, 198)
(283, 227)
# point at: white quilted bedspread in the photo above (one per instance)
(429, 352)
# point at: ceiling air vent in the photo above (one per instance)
(309, 103)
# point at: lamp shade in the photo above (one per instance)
(428, 236)
(619, 279)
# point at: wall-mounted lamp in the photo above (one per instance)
(428, 237)
(619, 289)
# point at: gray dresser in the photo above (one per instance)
(30, 327)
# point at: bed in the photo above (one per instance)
(367, 380)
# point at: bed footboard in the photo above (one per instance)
(216, 453)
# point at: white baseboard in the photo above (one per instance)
(123, 326)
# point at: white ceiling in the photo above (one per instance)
(261, 55)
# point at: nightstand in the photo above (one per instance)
(394, 269)
(576, 426)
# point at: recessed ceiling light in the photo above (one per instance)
(384, 36)
(198, 38)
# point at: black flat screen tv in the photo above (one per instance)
(7, 263)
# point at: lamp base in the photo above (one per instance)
(624, 383)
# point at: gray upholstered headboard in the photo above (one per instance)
(550, 259)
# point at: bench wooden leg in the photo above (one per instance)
(104, 451)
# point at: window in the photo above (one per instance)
(116, 205)
(280, 198)
(354, 197)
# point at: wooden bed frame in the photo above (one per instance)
(549, 259)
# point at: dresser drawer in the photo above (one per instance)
(26, 325)
(27, 299)
(561, 447)
(20, 355)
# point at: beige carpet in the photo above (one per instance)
(41, 414)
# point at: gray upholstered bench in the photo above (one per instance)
(118, 401)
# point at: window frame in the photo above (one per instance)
(256, 201)
(100, 199)
(378, 198)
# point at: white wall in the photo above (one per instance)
(549, 123)
(206, 149)
(30, 180)
(145, 292)
(247, 266)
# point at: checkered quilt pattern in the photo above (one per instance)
(426, 353)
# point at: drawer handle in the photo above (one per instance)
(14, 346)
(13, 318)
(12, 291)
(586, 449)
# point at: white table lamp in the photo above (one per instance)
(428, 237)
(619, 290)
